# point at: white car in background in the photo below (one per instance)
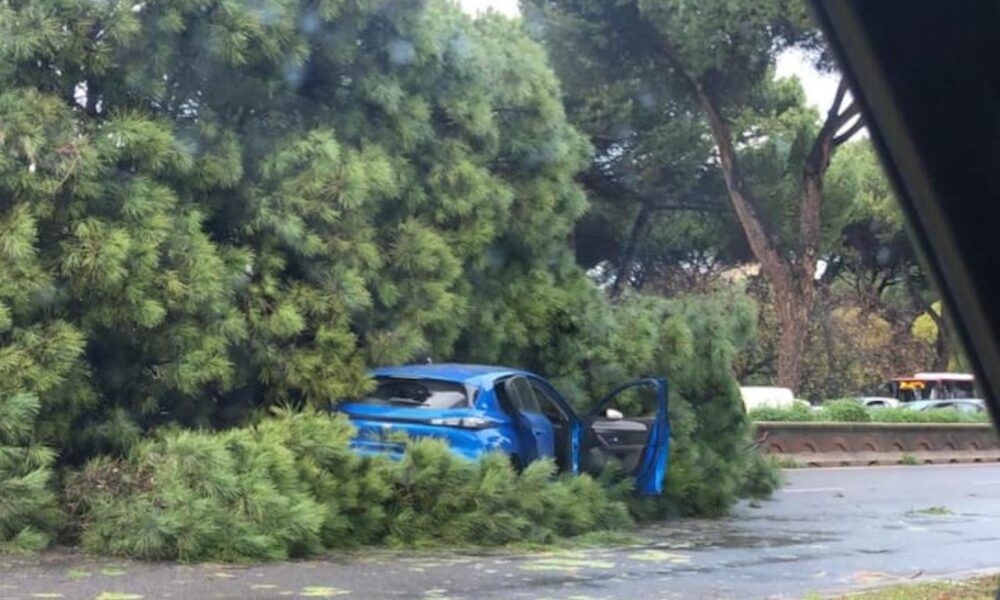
(965, 405)
(878, 402)
(773, 397)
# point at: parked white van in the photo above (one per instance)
(758, 396)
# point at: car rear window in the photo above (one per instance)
(417, 393)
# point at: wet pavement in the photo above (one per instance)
(827, 530)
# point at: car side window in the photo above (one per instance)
(547, 402)
(522, 395)
(638, 401)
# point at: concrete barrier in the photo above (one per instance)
(823, 444)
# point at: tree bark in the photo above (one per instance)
(942, 347)
(793, 309)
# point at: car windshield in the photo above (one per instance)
(417, 393)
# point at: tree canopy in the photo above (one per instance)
(207, 207)
(725, 129)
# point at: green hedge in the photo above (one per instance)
(851, 411)
(291, 487)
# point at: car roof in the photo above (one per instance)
(945, 376)
(456, 372)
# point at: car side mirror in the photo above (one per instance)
(614, 415)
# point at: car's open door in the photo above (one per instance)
(631, 426)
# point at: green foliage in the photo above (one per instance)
(712, 460)
(208, 208)
(900, 415)
(444, 499)
(846, 410)
(763, 476)
(29, 512)
(659, 201)
(796, 412)
(291, 486)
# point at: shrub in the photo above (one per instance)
(848, 410)
(443, 499)
(902, 415)
(282, 489)
(28, 509)
(695, 338)
(797, 412)
(845, 410)
(763, 477)
(291, 487)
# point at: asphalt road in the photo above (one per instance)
(827, 530)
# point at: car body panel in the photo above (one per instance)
(537, 437)
(525, 435)
(878, 402)
(575, 423)
(536, 432)
(377, 424)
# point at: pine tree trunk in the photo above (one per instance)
(792, 279)
(942, 349)
(793, 326)
(640, 227)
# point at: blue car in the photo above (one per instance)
(478, 409)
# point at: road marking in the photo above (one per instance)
(812, 490)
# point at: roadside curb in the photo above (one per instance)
(871, 459)
(829, 444)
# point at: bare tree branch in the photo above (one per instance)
(844, 116)
(824, 144)
(848, 133)
(838, 98)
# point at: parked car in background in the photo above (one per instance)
(479, 409)
(761, 396)
(878, 402)
(967, 405)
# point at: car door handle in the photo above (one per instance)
(538, 431)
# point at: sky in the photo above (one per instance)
(819, 87)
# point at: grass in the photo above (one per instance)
(787, 462)
(933, 511)
(977, 588)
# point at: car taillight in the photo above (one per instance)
(463, 422)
